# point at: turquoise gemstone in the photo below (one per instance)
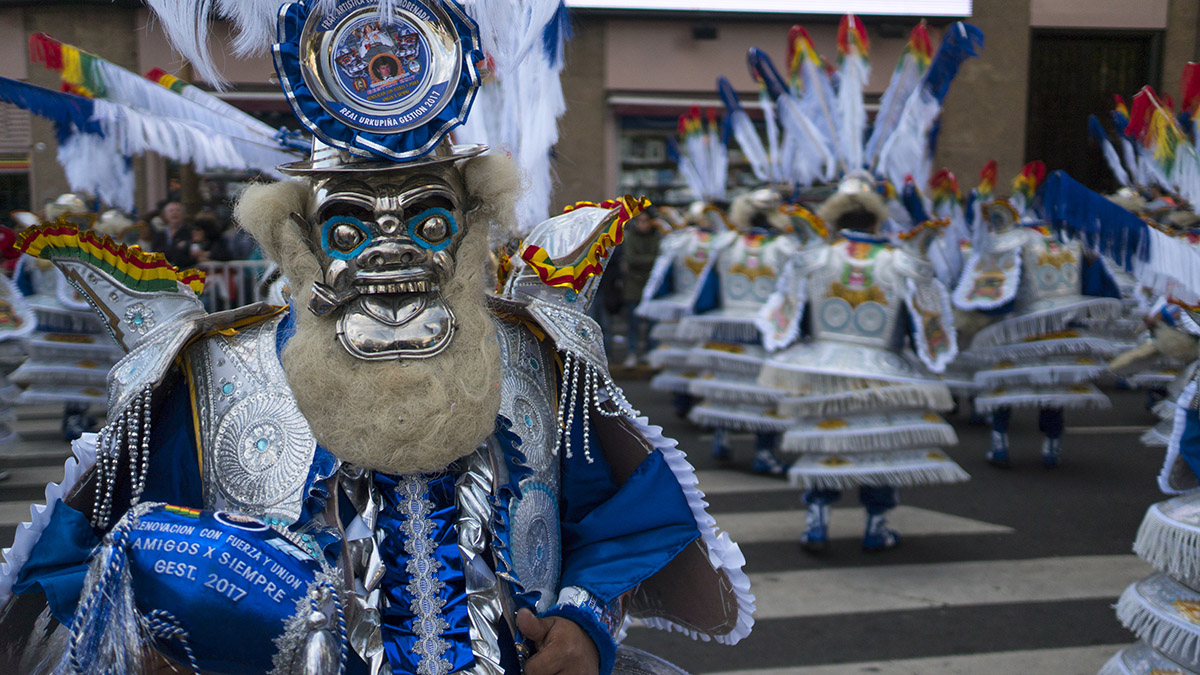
(528, 421)
(571, 295)
(262, 444)
(227, 388)
(138, 320)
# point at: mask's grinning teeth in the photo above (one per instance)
(418, 286)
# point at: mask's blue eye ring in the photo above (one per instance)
(335, 228)
(440, 221)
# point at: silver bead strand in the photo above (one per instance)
(101, 475)
(132, 444)
(573, 385)
(562, 398)
(145, 461)
(589, 381)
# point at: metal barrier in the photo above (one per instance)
(233, 284)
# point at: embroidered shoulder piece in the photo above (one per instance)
(133, 292)
(563, 258)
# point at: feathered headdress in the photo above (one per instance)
(702, 155)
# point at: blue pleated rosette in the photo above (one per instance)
(379, 90)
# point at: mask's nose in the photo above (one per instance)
(390, 255)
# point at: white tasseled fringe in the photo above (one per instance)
(725, 362)
(1163, 633)
(665, 331)
(672, 382)
(1114, 666)
(986, 403)
(934, 473)
(1046, 374)
(668, 357)
(869, 440)
(733, 392)
(662, 309)
(1023, 352)
(1171, 546)
(873, 398)
(806, 383)
(702, 327)
(1019, 328)
(720, 417)
(1156, 436)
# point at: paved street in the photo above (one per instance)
(1013, 572)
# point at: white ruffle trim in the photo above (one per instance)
(913, 298)
(1008, 288)
(28, 533)
(1179, 419)
(723, 553)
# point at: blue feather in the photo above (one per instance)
(1079, 213)
(934, 134)
(914, 204)
(70, 114)
(555, 35)
(969, 209)
(761, 63)
(1120, 121)
(1095, 129)
(728, 96)
(962, 42)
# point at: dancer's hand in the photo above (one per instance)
(561, 646)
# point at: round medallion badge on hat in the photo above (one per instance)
(386, 87)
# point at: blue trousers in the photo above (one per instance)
(1050, 421)
(877, 500)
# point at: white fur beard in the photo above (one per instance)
(402, 416)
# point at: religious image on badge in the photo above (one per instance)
(379, 63)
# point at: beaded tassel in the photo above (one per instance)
(131, 432)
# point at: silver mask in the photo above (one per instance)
(386, 242)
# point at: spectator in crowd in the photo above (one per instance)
(175, 240)
(146, 233)
(638, 252)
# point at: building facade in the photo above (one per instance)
(1046, 64)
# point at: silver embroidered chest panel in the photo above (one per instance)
(750, 266)
(856, 295)
(1050, 268)
(257, 446)
(528, 400)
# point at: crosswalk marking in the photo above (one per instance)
(722, 481)
(34, 476)
(847, 523)
(804, 593)
(1066, 660)
(12, 513)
